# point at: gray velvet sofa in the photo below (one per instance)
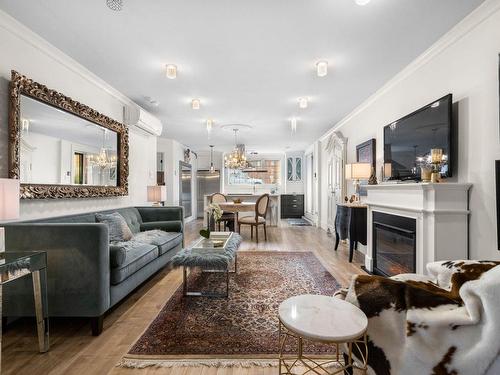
(86, 275)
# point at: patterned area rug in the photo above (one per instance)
(239, 330)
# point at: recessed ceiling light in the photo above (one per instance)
(293, 124)
(362, 2)
(322, 68)
(303, 102)
(171, 71)
(195, 103)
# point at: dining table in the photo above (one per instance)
(236, 208)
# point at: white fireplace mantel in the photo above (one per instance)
(441, 212)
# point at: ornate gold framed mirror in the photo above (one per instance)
(60, 148)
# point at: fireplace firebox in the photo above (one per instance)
(394, 244)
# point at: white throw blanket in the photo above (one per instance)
(447, 323)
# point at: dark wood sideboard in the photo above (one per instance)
(292, 206)
(350, 223)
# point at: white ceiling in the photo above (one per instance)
(247, 60)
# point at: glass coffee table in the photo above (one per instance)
(14, 265)
(217, 254)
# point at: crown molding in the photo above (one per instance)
(479, 15)
(13, 26)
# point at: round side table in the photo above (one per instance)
(326, 320)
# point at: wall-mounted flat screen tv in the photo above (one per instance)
(408, 141)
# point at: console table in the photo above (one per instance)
(351, 223)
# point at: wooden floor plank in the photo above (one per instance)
(74, 351)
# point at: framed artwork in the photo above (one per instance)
(366, 153)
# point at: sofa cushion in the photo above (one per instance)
(167, 226)
(117, 226)
(164, 240)
(117, 255)
(132, 217)
(137, 255)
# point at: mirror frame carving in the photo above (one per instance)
(22, 85)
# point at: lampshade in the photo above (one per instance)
(157, 193)
(358, 171)
(9, 199)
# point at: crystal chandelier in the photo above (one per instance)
(236, 159)
(103, 159)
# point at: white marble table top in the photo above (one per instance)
(323, 318)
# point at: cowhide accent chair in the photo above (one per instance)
(227, 218)
(443, 323)
(261, 206)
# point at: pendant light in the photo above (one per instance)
(212, 168)
(236, 159)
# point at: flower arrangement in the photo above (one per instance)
(215, 210)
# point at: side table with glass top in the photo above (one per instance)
(14, 265)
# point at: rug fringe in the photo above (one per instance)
(245, 363)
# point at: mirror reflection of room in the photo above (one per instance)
(59, 148)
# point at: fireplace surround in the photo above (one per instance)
(439, 212)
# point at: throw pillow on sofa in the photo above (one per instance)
(118, 228)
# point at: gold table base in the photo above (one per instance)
(321, 366)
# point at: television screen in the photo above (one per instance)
(408, 142)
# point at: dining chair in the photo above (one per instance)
(261, 206)
(227, 217)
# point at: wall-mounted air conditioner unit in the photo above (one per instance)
(136, 116)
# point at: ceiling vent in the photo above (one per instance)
(138, 117)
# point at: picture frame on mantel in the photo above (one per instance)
(366, 152)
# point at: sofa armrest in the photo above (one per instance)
(78, 274)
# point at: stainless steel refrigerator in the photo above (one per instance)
(208, 183)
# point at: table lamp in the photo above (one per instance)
(9, 204)
(356, 172)
(157, 194)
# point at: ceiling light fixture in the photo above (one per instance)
(303, 102)
(293, 125)
(195, 103)
(210, 124)
(236, 159)
(212, 167)
(115, 5)
(171, 71)
(362, 2)
(322, 68)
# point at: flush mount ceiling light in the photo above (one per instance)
(293, 125)
(115, 5)
(303, 102)
(195, 103)
(171, 71)
(322, 68)
(362, 2)
(210, 124)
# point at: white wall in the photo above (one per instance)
(29, 54)
(465, 63)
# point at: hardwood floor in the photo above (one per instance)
(74, 351)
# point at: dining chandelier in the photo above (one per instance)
(104, 159)
(237, 158)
